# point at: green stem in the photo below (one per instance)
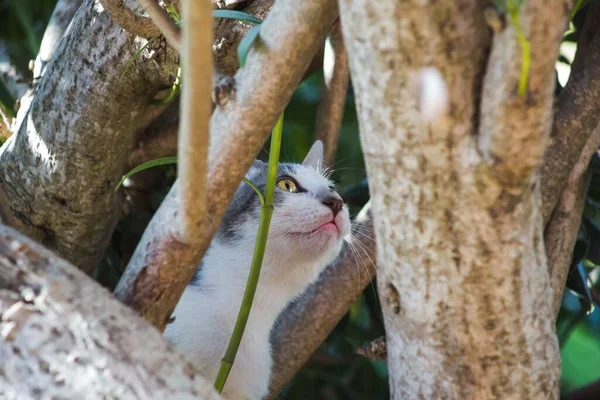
(266, 212)
(513, 11)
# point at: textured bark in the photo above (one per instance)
(162, 266)
(57, 26)
(72, 137)
(333, 98)
(157, 140)
(462, 272)
(64, 336)
(309, 320)
(229, 33)
(561, 231)
(164, 23)
(196, 108)
(129, 19)
(577, 114)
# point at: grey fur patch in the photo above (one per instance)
(197, 278)
(245, 204)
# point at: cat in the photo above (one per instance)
(309, 225)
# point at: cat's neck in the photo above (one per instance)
(225, 269)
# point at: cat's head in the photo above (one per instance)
(309, 220)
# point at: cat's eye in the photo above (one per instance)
(287, 185)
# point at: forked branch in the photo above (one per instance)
(162, 266)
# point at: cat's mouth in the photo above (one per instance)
(329, 226)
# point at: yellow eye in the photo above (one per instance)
(287, 185)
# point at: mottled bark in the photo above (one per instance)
(57, 26)
(462, 271)
(229, 33)
(157, 140)
(72, 137)
(305, 324)
(165, 24)
(576, 114)
(561, 231)
(129, 19)
(64, 336)
(162, 266)
(336, 75)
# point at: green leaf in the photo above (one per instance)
(138, 53)
(239, 15)
(260, 196)
(147, 165)
(175, 89)
(246, 43)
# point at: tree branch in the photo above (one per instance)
(64, 336)
(133, 23)
(333, 98)
(162, 266)
(57, 26)
(196, 107)
(576, 114)
(304, 324)
(514, 128)
(60, 170)
(229, 33)
(562, 228)
(166, 25)
(466, 206)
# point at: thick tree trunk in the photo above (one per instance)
(64, 336)
(462, 271)
(71, 141)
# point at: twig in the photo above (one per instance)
(577, 114)
(375, 350)
(167, 26)
(162, 266)
(333, 99)
(562, 228)
(129, 20)
(510, 134)
(196, 108)
(305, 324)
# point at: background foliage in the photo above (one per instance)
(335, 371)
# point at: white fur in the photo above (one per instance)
(206, 314)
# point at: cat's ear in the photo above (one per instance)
(314, 158)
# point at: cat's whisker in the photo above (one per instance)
(361, 247)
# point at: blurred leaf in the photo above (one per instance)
(580, 358)
(146, 165)
(7, 101)
(238, 15)
(246, 43)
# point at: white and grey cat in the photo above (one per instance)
(307, 232)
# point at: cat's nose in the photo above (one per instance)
(334, 203)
